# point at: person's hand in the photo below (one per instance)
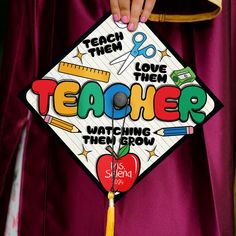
(130, 11)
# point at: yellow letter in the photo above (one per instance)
(136, 102)
(64, 103)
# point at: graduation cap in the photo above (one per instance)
(121, 102)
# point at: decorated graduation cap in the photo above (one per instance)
(121, 102)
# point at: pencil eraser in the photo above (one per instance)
(47, 118)
(190, 130)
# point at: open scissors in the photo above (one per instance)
(135, 52)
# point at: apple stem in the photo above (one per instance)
(110, 149)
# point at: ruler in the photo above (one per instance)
(83, 71)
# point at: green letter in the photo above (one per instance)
(91, 98)
(191, 101)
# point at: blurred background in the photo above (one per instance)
(3, 24)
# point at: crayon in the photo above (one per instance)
(175, 131)
(61, 124)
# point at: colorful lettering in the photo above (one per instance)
(137, 102)
(91, 98)
(165, 107)
(167, 103)
(44, 89)
(64, 102)
(191, 101)
(110, 110)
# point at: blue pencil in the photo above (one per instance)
(175, 131)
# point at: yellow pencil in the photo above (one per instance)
(61, 124)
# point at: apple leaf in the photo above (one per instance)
(123, 151)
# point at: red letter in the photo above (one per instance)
(44, 88)
(164, 106)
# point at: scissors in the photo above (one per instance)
(135, 52)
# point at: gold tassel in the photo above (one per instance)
(110, 229)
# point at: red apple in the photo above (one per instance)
(127, 171)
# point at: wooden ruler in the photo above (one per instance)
(83, 71)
